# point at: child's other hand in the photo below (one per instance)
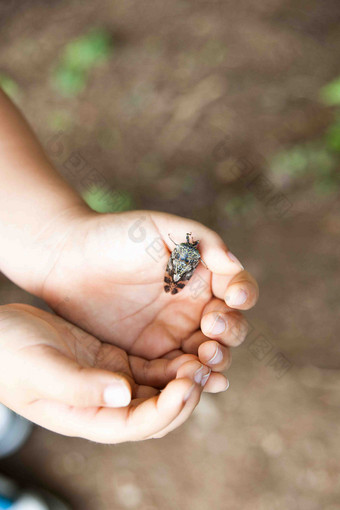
(106, 274)
(66, 380)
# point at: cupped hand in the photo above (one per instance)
(68, 381)
(106, 274)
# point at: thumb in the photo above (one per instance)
(60, 378)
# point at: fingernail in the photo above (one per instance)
(117, 395)
(198, 375)
(225, 389)
(217, 357)
(205, 378)
(218, 326)
(237, 298)
(234, 259)
(188, 393)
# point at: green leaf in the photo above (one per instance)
(77, 60)
(310, 158)
(9, 86)
(104, 200)
(333, 137)
(69, 82)
(88, 50)
(293, 161)
(239, 205)
(330, 93)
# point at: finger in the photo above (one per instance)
(183, 415)
(106, 425)
(219, 323)
(153, 415)
(191, 344)
(157, 372)
(211, 382)
(241, 291)
(173, 354)
(68, 382)
(194, 371)
(210, 352)
(144, 392)
(216, 383)
(213, 250)
(215, 355)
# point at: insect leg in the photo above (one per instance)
(204, 264)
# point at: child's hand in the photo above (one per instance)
(106, 275)
(103, 272)
(66, 380)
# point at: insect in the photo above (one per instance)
(182, 263)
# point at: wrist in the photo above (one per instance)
(28, 259)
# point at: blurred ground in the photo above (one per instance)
(210, 110)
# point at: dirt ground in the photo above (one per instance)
(191, 88)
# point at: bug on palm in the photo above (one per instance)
(182, 263)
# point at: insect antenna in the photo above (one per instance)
(172, 240)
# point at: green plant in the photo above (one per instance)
(318, 160)
(9, 86)
(78, 58)
(332, 137)
(239, 205)
(330, 93)
(104, 200)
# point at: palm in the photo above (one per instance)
(117, 291)
(60, 373)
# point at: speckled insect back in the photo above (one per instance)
(181, 265)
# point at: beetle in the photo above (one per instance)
(182, 263)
